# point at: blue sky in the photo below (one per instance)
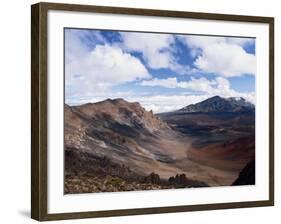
(163, 72)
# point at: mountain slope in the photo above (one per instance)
(219, 104)
(117, 125)
(215, 120)
(121, 139)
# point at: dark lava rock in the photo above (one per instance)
(247, 175)
(152, 178)
(180, 180)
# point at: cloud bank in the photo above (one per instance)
(99, 69)
(220, 55)
(163, 72)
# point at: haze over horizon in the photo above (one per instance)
(163, 72)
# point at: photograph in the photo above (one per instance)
(139, 111)
(153, 111)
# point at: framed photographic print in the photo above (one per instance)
(139, 111)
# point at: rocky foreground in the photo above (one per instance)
(89, 184)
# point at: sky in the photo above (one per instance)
(163, 72)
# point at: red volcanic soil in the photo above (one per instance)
(229, 156)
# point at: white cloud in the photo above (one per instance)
(205, 41)
(100, 69)
(219, 86)
(240, 41)
(168, 83)
(166, 103)
(91, 71)
(227, 60)
(75, 40)
(200, 84)
(156, 103)
(221, 55)
(154, 47)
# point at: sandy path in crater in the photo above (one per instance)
(177, 149)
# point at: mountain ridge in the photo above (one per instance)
(219, 104)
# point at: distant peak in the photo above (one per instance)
(220, 104)
(122, 101)
(236, 98)
(116, 100)
(215, 97)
